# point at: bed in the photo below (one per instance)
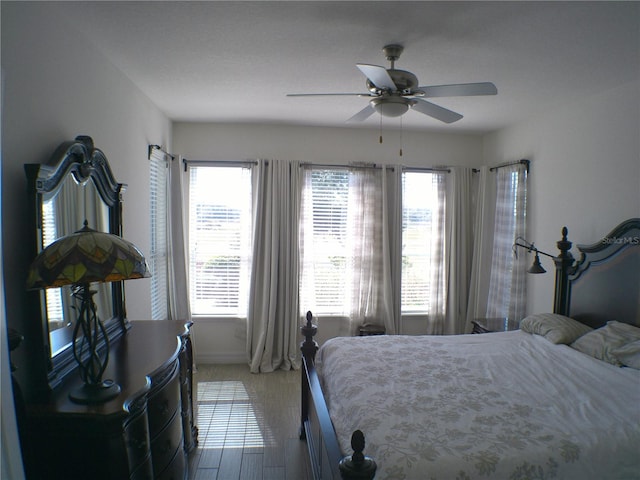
(558, 398)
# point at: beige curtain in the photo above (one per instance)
(273, 317)
(392, 248)
(177, 263)
(459, 242)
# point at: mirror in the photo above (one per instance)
(64, 212)
(74, 186)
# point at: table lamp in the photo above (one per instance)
(79, 259)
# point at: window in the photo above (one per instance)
(421, 203)
(158, 258)
(328, 238)
(219, 240)
(324, 279)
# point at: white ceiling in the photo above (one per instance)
(235, 61)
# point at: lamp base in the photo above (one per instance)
(100, 393)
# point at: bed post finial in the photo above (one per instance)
(309, 347)
(564, 268)
(357, 466)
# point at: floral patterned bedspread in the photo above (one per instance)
(495, 406)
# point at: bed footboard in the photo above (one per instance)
(326, 459)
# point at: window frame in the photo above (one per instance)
(422, 307)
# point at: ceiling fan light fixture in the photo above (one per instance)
(395, 106)
(394, 91)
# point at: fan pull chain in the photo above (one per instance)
(380, 128)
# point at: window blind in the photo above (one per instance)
(158, 258)
(219, 239)
(329, 194)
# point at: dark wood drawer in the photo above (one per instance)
(163, 402)
(136, 434)
(177, 469)
(144, 471)
(165, 445)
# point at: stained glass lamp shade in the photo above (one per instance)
(79, 259)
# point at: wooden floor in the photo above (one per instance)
(248, 425)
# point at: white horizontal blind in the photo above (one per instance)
(49, 234)
(219, 239)
(158, 258)
(419, 206)
(324, 284)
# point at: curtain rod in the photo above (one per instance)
(187, 162)
(338, 165)
(427, 169)
(151, 148)
(373, 165)
(517, 162)
(230, 163)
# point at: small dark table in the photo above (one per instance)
(367, 330)
(489, 325)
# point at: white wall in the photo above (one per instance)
(223, 340)
(57, 86)
(205, 141)
(585, 173)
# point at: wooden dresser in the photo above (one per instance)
(146, 432)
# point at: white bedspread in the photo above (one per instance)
(494, 406)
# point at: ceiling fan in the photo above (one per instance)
(393, 92)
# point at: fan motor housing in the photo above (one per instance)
(404, 81)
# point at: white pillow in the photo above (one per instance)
(628, 355)
(603, 342)
(554, 327)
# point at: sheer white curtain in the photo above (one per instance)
(459, 241)
(273, 316)
(485, 198)
(507, 287)
(369, 270)
(436, 323)
(352, 267)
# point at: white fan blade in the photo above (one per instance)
(378, 76)
(459, 90)
(363, 114)
(328, 94)
(436, 111)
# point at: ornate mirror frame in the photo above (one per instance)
(77, 159)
